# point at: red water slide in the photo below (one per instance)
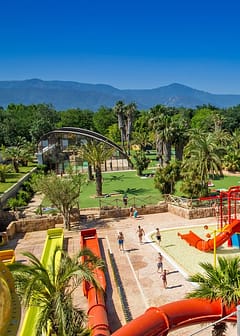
(97, 314)
(208, 245)
(158, 321)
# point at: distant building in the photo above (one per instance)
(58, 148)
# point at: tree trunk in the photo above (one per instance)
(98, 181)
(90, 174)
(166, 153)
(66, 220)
(159, 149)
(179, 151)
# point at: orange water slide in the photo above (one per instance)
(208, 245)
(97, 314)
(158, 321)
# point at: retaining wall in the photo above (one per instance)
(32, 224)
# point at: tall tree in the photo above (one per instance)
(119, 109)
(96, 153)
(218, 283)
(51, 288)
(202, 155)
(130, 115)
(126, 115)
(161, 123)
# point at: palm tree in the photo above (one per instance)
(4, 170)
(166, 177)
(51, 290)
(161, 123)
(202, 154)
(130, 113)
(96, 153)
(119, 109)
(13, 154)
(141, 162)
(218, 283)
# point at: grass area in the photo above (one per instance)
(139, 190)
(115, 184)
(13, 178)
(221, 183)
(188, 257)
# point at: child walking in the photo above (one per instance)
(164, 278)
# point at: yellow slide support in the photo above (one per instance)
(10, 309)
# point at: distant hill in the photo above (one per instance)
(64, 95)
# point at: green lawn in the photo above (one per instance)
(139, 190)
(13, 178)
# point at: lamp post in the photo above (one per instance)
(214, 249)
(214, 232)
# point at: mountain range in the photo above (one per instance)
(64, 95)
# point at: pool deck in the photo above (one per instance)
(137, 265)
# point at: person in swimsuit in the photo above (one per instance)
(158, 236)
(141, 233)
(160, 263)
(164, 278)
(120, 241)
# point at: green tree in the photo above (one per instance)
(4, 170)
(96, 153)
(141, 162)
(14, 154)
(113, 133)
(76, 118)
(62, 192)
(142, 135)
(119, 109)
(202, 155)
(218, 283)
(51, 288)
(166, 177)
(103, 119)
(126, 115)
(161, 123)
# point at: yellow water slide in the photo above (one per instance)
(54, 239)
(10, 309)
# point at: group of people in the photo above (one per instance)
(141, 233)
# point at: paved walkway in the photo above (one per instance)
(136, 265)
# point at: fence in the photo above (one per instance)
(135, 201)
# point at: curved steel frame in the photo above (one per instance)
(89, 134)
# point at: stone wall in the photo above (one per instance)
(32, 224)
(194, 213)
(113, 212)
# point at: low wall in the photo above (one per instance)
(194, 213)
(113, 212)
(39, 223)
(32, 224)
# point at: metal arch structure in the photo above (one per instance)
(52, 139)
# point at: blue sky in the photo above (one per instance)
(124, 43)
